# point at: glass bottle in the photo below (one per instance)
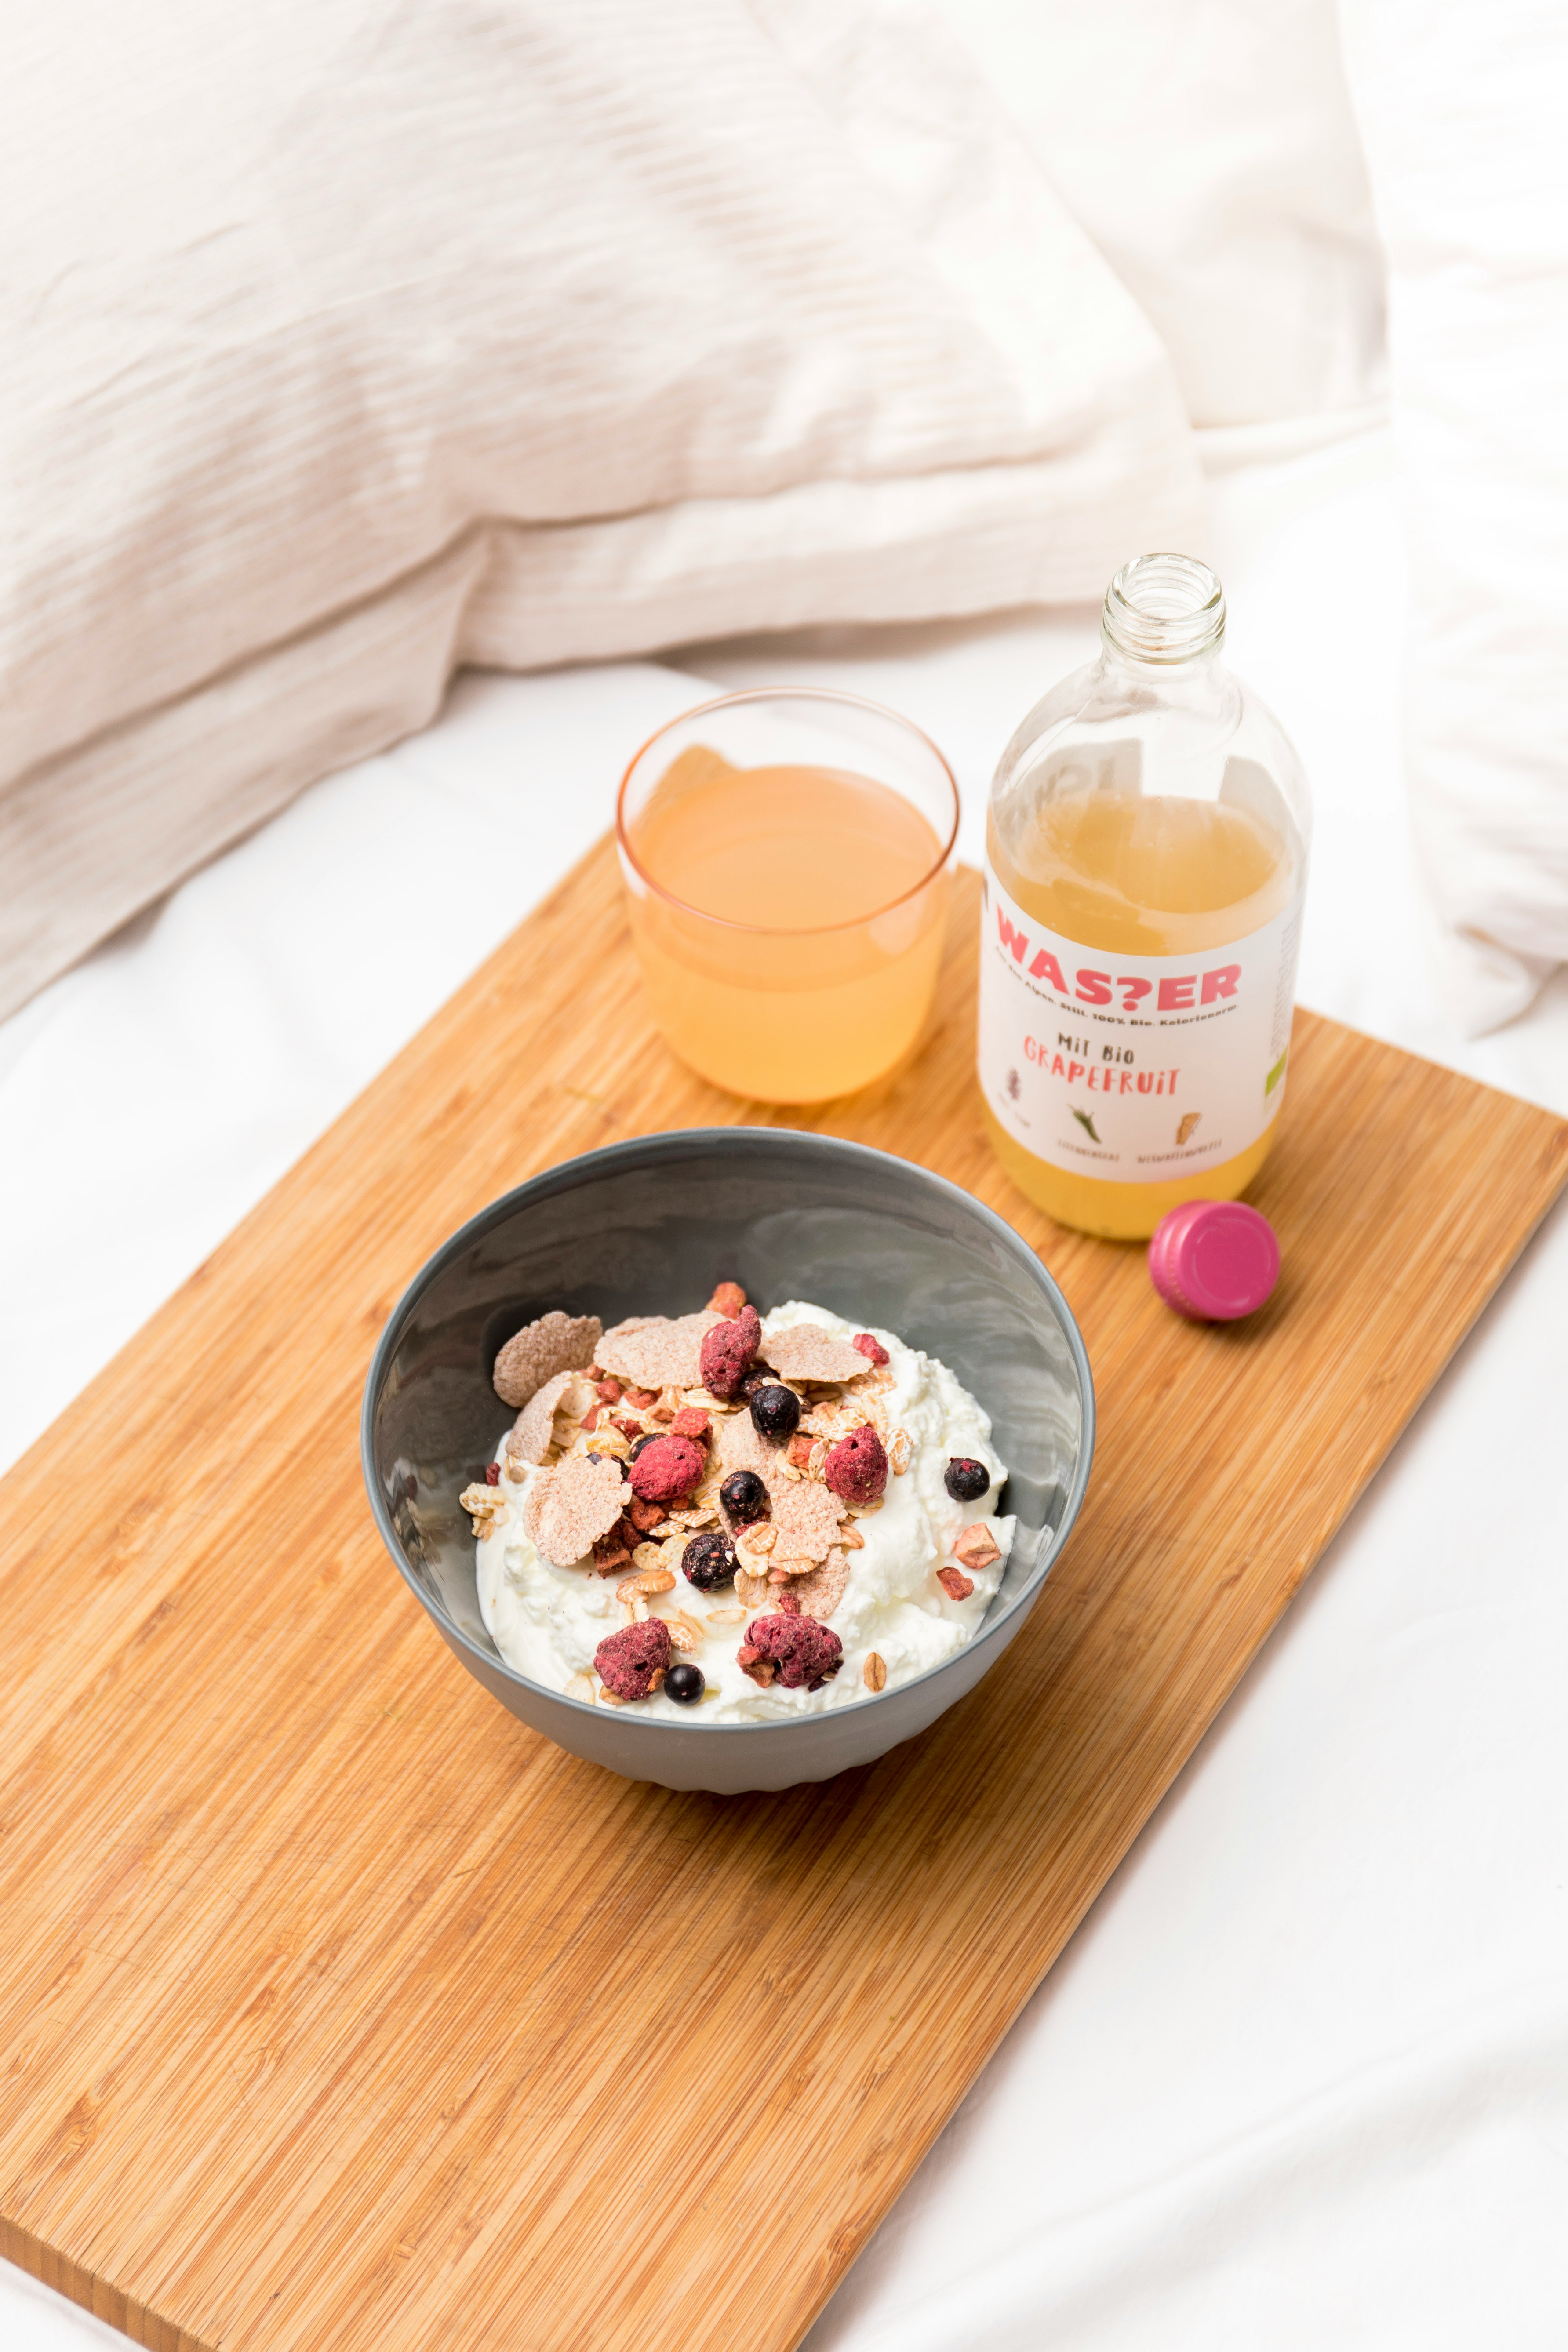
(1146, 859)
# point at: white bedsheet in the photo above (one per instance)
(1302, 2077)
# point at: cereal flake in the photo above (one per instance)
(553, 1343)
(658, 1352)
(569, 1507)
(808, 1352)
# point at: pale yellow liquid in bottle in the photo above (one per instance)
(827, 983)
(1146, 874)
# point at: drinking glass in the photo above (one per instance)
(787, 855)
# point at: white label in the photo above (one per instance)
(1136, 1069)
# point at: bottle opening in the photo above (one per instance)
(1163, 608)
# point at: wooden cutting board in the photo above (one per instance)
(337, 2010)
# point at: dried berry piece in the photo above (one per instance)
(492, 1473)
(709, 1561)
(977, 1547)
(627, 1662)
(744, 1497)
(775, 1412)
(727, 1300)
(643, 1516)
(665, 1469)
(966, 1480)
(798, 1452)
(874, 1353)
(954, 1583)
(614, 1551)
(729, 1351)
(685, 1685)
(693, 1422)
(856, 1468)
(805, 1653)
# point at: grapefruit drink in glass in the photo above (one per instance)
(787, 855)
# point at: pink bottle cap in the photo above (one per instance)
(1213, 1261)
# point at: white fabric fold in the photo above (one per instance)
(347, 344)
(1462, 113)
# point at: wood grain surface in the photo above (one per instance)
(339, 2011)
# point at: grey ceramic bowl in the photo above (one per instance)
(649, 1227)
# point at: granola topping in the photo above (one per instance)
(651, 1542)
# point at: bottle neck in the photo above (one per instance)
(1164, 613)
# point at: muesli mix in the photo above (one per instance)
(729, 1516)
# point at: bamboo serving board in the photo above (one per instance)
(339, 2011)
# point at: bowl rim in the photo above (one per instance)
(674, 1142)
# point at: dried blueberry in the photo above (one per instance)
(685, 1685)
(776, 1410)
(966, 1480)
(744, 1497)
(709, 1560)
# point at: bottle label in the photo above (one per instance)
(1138, 1069)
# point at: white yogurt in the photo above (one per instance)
(547, 1621)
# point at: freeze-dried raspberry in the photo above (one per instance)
(856, 1468)
(727, 1300)
(806, 1653)
(729, 1351)
(627, 1662)
(872, 1349)
(691, 1421)
(667, 1468)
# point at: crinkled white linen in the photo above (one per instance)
(345, 344)
(1301, 2079)
(1462, 112)
(1211, 152)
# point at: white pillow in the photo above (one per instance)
(345, 344)
(1210, 150)
(1463, 110)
